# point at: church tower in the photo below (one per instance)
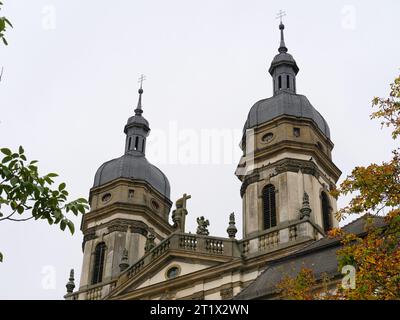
(286, 168)
(130, 205)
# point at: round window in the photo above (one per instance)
(173, 272)
(106, 197)
(267, 137)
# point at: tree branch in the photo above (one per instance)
(18, 220)
(8, 217)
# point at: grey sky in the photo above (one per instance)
(70, 83)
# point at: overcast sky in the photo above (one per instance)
(70, 84)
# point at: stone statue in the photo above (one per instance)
(232, 230)
(179, 214)
(202, 225)
(150, 243)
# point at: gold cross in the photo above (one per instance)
(280, 14)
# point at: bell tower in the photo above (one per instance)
(286, 168)
(129, 208)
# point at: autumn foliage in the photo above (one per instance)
(376, 255)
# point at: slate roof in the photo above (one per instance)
(320, 256)
(285, 103)
(133, 165)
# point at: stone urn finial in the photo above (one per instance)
(71, 284)
(232, 230)
(150, 243)
(124, 264)
(305, 208)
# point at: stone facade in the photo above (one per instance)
(286, 147)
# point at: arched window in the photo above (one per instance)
(143, 144)
(287, 82)
(98, 267)
(269, 207)
(280, 82)
(129, 143)
(326, 212)
(136, 143)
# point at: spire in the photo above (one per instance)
(282, 47)
(283, 68)
(138, 110)
(137, 129)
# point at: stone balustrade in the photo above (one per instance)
(287, 233)
(186, 242)
(93, 292)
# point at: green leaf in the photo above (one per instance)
(13, 181)
(6, 171)
(52, 175)
(6, 159)
(1, 257)
(6, 151)
(81, 209)
(21, 150)
(61, 186)
(71, 227)
(8, 22)
(48, 180)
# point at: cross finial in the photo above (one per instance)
(138, 110)
(282, 47)
(280, 14)
(141, 79)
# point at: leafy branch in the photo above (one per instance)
(23, 190)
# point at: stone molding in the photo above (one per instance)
(248, 180)
(117, 225)
(296, 165)
(281, 166)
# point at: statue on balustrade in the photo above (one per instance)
(179, 214)
(202, 225)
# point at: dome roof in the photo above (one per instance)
(285, 103)
(137, 120)
(133, 165)
(281, 59)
